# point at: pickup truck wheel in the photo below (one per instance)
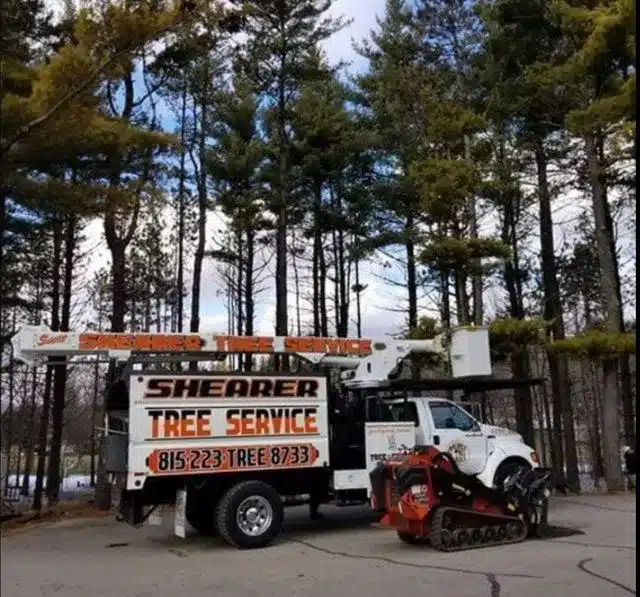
(200, 512)
(506, 470)
(250, 515)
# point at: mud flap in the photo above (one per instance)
(180, 513)
(155, 517)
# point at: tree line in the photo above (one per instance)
(445, 158)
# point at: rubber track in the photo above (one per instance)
(436, 535)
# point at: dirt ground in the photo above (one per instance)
(591, 553)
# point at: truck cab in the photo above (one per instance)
(491, 453)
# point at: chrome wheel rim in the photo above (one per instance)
(254, 515)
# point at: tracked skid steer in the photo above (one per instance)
(423, 495)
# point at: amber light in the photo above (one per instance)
(534, 457)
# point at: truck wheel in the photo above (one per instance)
(506, 470)
(200, 512)
(250, 515)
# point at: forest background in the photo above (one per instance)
(216, 166)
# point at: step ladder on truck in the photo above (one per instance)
(230, 449)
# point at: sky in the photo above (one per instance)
(379, 300)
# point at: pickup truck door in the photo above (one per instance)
(459, 434)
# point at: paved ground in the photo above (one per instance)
(592, 555)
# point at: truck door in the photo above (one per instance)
(460, 435)
(384, 434)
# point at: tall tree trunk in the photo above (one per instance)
(610, 415)
(43, 432)
(358, 290)
(10, 412)
(94, 412)
(60, 374)
(596, 439)
(296, 282)
(324, 318)
(30, 432)
(117, 243)
(558, 367)
(446, 299)
(198, 259)
(248, 291)
(342, 302)
(476, 278)
(519, 358)
(181, 211)
(336, 281)
(344, 297)
(119, 285)
(628, 419)
(317, 251)
(201, 184)
(240, 285)
(282, 212)
(412, 284)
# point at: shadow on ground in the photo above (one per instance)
(300, 528)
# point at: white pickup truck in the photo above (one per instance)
(491, 453)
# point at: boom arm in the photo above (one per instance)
(369, 360)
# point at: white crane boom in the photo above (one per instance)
(370, 360)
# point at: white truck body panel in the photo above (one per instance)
(477, 451)
(190, 424)
(206, 424)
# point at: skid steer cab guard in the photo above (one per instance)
(423, 495)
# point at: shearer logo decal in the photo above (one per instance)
(458, 450)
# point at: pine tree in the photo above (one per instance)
(521, 38)
(391, 91)
(327, 143)
(600, 68)
(236, 164)
(281, 35)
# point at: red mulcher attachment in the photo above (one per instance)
(424, 495)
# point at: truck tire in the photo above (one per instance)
(506, 470)
(200, 512)
(250, 515)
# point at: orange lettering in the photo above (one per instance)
(262, 425)
(295, 427)
(203, 427)
(171, 426)
(142, 342)
(245, 426)
(187, 427)
(234, 425)
(310, 424)
(258, 344)
(155, 428)
(330, 345)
